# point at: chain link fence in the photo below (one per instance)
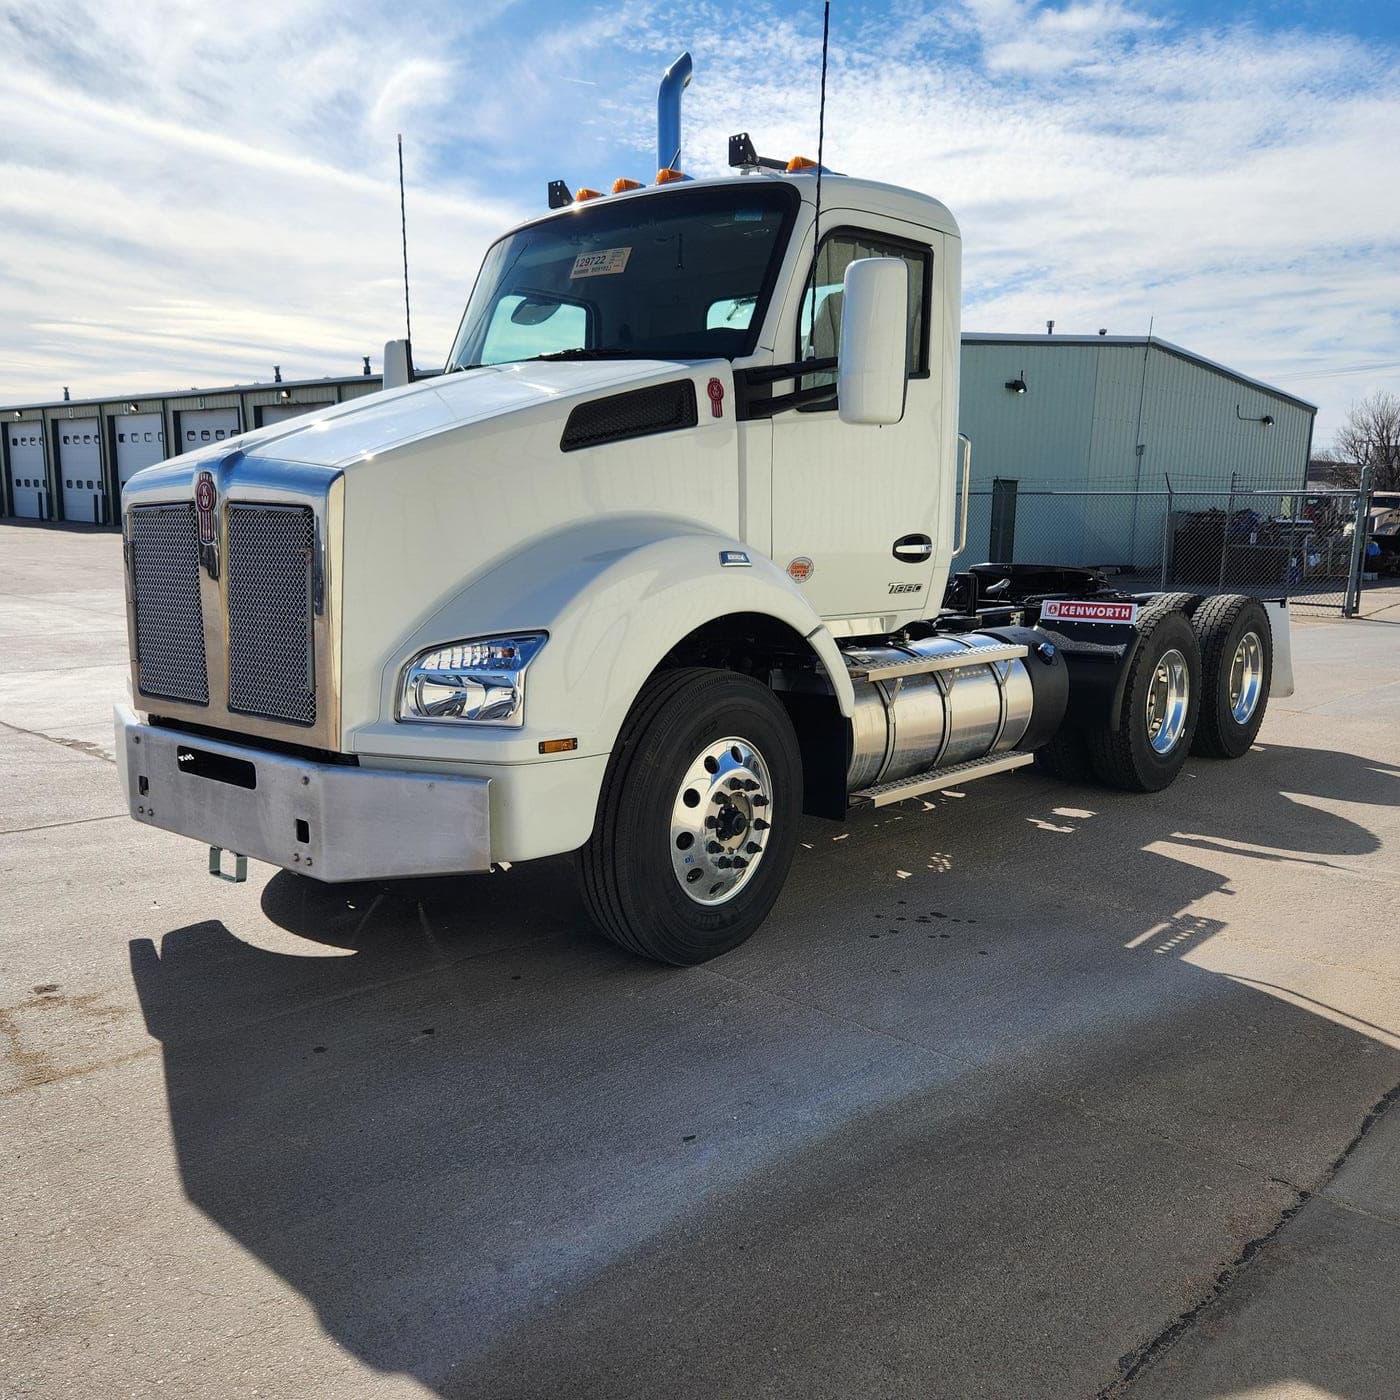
(1313, 547)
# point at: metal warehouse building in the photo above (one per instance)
(1140, 432)
(69, 460)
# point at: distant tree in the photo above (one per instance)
(1370, 437)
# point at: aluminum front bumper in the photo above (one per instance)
(332, 821)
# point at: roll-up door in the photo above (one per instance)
(140, 442)
(80, 470)
(28, 479)
(271, 413)
(198, 427)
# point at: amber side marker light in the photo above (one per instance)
(558, 745)
(585, 193)
(666, 175)
(622, 184)
(801, 163)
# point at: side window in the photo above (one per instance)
(819, 325)
(523, 326)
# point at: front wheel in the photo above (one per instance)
(697, 820)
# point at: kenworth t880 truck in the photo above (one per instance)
(663, 561)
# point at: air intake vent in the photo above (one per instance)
(637, 413)
(169, 618)
(271, 550)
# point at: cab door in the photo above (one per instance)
(855, 507)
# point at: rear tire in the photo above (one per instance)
(1146, 743)
(1174, 602)
(697, 819)
(1237, 659)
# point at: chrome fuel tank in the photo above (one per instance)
(910, 724)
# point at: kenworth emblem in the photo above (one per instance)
(206, 497)
(716, 392)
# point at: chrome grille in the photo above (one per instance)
(164, 548)
(270, 578)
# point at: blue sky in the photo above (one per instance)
(190, 194)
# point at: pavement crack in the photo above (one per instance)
(78, 745)
(1135, 1362)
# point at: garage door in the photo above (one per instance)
(28, 486)
(199, 427)
(140, 443)
(80, 470)
(271, 413)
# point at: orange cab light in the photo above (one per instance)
(666, 175)
(622, 184)
(801, 163)
(585, 193)
(558, 745)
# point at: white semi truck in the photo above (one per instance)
(661, 562)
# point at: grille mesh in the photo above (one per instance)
(169, 618)
(270, 660)
(637, 413)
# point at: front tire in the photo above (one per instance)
(697, 819)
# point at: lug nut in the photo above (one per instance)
(740, 863)
(760, 800)
(753, 848)
(713, 847)
(736, 785)
(759, 824)
(724, 862)
(750, 786)
(712, 822)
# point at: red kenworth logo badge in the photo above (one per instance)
(716, 398)
(206, 494)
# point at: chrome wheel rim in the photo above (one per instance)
(1168, 698)
(721, 821)
(1246, 677)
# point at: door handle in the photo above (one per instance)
(965, 450)
(913, 549)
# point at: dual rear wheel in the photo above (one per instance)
(1199, 683)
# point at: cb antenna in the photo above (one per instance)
(403, 232)
(821, 142)
(821, 111)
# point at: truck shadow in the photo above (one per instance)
(962, 1120)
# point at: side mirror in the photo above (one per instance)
(398, 364)
(872, 365)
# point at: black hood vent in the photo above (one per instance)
(663, 408)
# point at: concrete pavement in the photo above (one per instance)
(1030, 1091)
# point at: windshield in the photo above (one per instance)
(681, 275)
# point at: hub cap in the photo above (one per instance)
(1168, 698)
(720, 821)
(1246, 677)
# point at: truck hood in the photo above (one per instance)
(359, 430)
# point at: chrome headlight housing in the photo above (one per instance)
(479, 681)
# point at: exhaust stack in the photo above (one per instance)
(674, 82)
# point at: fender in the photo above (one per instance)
(614, 595)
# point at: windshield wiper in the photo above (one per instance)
(611, 353)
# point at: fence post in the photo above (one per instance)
(1351, 603)
(1166, 537)
(1225, 535)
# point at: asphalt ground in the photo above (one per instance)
(1027, 1091)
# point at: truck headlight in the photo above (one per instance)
(474, 682)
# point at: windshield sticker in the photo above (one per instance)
(603, 263)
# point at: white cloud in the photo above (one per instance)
(1232, 184)
(185, 197)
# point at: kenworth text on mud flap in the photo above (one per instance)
(661, 562)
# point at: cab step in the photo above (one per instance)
(952, 776)
(923, 665)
